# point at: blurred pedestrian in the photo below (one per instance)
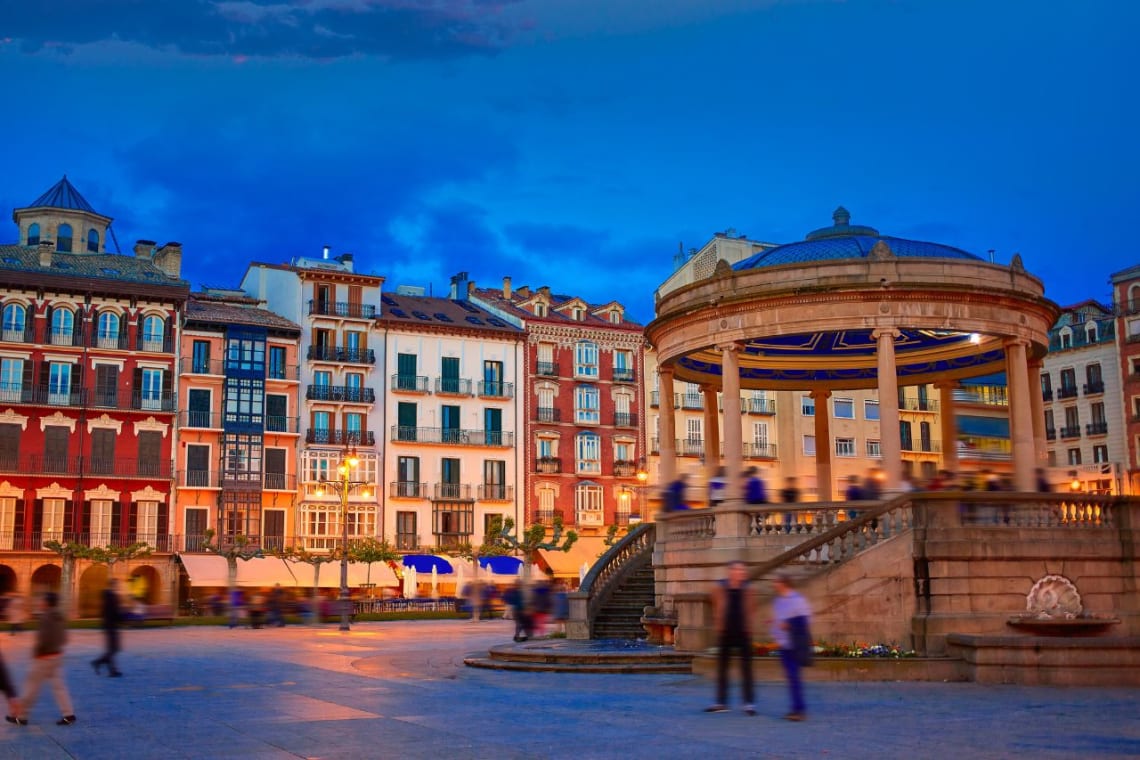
(734, 607)
(718, 488)
(790, 629)
(790, 494)
(754, 490)
(237, 607)
(276, 616)
(112, 616)
(1042, 481)
(515, 598)
(47, 664)
(9, 691)
(16, 612)
(675, 494)
(854, 492)
(540, 606)
(560, 606)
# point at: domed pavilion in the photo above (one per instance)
(848, 308)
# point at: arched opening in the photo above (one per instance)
(91, 585)
(62, 325)
(34, 233)
(7, 579)
(152, 333)
(92, 241)
(15, 320)
(63, 238)
(145, 584)
(47, 578)
(108, 327)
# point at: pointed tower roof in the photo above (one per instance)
(63, 195)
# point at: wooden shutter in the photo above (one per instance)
(116, 517)
(85, 517)
(38, 517)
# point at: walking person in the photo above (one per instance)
(754, 490)
(112, 616)
(718, 488)
(790, 629)
(9, 691)
(734, 606)
(47, 664)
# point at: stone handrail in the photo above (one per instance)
(628, 555)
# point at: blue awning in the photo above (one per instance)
(501, 565)
(423, 563)
(983, 427)
(997, 378)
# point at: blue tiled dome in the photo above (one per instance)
(843, 240)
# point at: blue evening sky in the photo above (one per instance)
(576, 143)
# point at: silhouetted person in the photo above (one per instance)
(112, 616)
(734, 606)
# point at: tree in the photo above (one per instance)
(304, 556)
(240, 548)
(68, 552)
(532, 539)
(371, 550)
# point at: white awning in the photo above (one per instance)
(209, 570)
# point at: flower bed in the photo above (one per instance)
(852, 650)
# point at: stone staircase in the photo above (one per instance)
(568, 656)
(620, 615)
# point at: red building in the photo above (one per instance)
(1126, 297)
(87, 402)
(583, 402)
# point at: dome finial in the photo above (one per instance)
(841, 216)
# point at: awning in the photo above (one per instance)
(585, 551)
(423, 563)
(997, 378)
(501, 565)
(209, 570)
(983, 427)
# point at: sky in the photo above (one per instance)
(580, 143)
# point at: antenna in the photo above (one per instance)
(991, 255)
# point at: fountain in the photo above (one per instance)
(1053, 608)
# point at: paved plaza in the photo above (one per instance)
(399, 690)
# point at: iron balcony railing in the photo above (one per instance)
(923, 447)
(690, 447)
(341, 355)
(758, 405)
(1067, 391)
(625, 469)
(34, 541)
(625, 419)
(547, 516)
(496, 492)
(1051, 434)
(1071, 431)
(279, 481)
(120, 467)
(278, 424)
(453, 386)
(547, 414)
(341, 437)
(199, 479)
(623, 375)
(342, 309)
(920, 405)
(1046, 394)
(456, 436)
(1096, 428)
(204, 420)
(1092, 389)
(496, 389)
(452, 492)
(342, 393)
(407, 489)
(548, 465)
(72, 337)
(759, 451)
(546, 369)
(190, 365)
(410, 383)
(162, 344)
(688, 401)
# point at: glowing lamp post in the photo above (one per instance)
(343, 485)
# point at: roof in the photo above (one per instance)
(843, 240)
(63, 195)
(440, 312)
(591, 318)
(109, 267)
(238, 311)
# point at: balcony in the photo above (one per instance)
(153, 402)
(200, 420)
(919, 405)
(495, 389)
(342, 309)
(15, 393)
(496, 492)
(623, 375)
(923, 447)
(279, 481)
(407, 489)
(116, 467)
(1096, 428)
(159, 542)
(758, 405)
(409, 383)
(625, 419)
(1093, 389)
(759, 451)
(1046, 394)
(1050, 434)
(276, 424)
(188, 365)
(625, 469)
(340, 393)
(455, 436)
(287, 372)
(548, 516)
(452, 492)
(163, 344)
(547, 414)
(341, 355)
(690, 447)
(1070, 431)
(198, 479)
(987, 396)
(546, 369)
(341, 437)
(109, 342)
(548, 465)
(65, 337)
(1067, 391)
(655, 446)
(453, 386)
(688, 401)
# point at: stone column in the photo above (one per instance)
(711, 432)
(949, 420)
(890, 444)
(823, 484)
(1020, 415)
(733, 426)
(667, 443)
(1037, 405)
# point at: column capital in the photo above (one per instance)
(820, 394)
(665, 370)
(1008, 343)
(734, 346)
(883, 331)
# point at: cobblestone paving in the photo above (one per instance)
(399, 690)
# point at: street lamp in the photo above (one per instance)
(642, 476)
(343, 485)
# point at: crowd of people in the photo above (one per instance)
(531, 604)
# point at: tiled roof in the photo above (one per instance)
(98, 266)
(494, 296)
(425, 310)
(63, 195)
(238, 311)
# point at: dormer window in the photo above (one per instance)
(539, 309)
(34, 234)
(63, 238)
(1090, 332)
(615, 317)
(578, 314)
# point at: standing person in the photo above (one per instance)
(276, 607)
(9, 691)
(791, 619)
(515, 599)
(734, 606)
(718, 488)
(790, 494)
(754, 490)
(237, 604)
(675, 494)
(112, 616)
(47, 663)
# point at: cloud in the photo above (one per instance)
(242, 29)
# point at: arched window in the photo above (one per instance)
(546, 494)
(62, 325)
(1090, 332)
(34, 233)
(1066, 337)
(588, 450)
(92, 241)
(14, 322)
(152, 333)
(63, 238)
(108, 327)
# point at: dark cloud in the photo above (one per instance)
(313, 29)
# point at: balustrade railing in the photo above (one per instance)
(627, 556)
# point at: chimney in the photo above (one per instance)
(45, 249)
(168, 258)
(346, 260)
(326, 252)
(470, 287)
(545, 290)
(507, 288)
(523, 290)
(144, 249)
(459, 288)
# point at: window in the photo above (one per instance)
(623, 364)
(546, 448)
(152, 333)
(353, 426)
(1050, 427)
(586, 404)
(578, 314)
(493, 378)
(92, 241)
(11, 379)
(321, 427)
(7, 522)
(1046, 386)
(406, 368)
(1097, 411)
(197, 466)
(807, 406)
(200, 357)
(495, 479)
(59, 383)
(586, 359)
(545, 503)
(406, 421)
(406, 538)
(870, 409)
(241, 457)
(449, 417)
(545, 359)
(34, 234)
(539, 309)
(62, 326)
(1066, 338)
(199, 404)
(1068, 382)
(589, 453)
(623, 452)
(760, 434)
(277, 413)
(1090, 332)
(924, 436)
(277, 368)
(615, 317)
(14, 315)
(1072, 417)
(53, 516)
(588, 504)
(245, 401)
(809, 445)
(1100, 453)
(1094, 379)
(844, 408)
(408, 478)
(108, 330)
(873, 449)
(844, 447)
(146, 522)
(906, 436)
(693, 429)
(1074, 456)
(63, 238)
(103, 451)
(245, 353)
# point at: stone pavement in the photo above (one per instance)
(399, 690)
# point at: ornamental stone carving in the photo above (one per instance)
(1054, 596)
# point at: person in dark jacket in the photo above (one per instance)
(734, 607)
(47, 664)
(112, 615)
